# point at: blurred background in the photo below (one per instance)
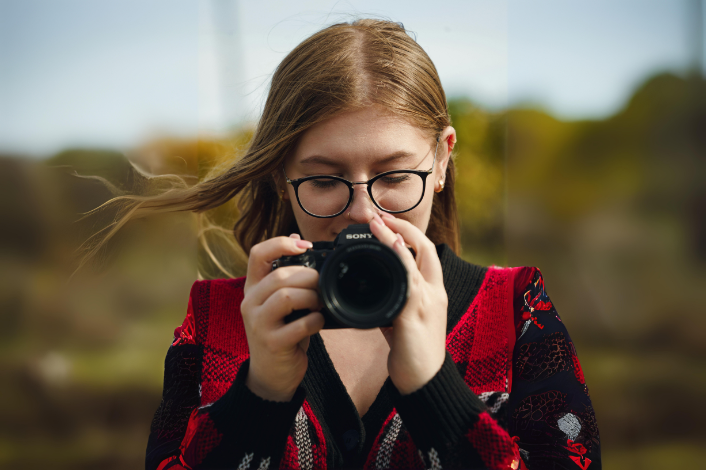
(582, 150)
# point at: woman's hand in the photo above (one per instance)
(417, 337)
(278, 358)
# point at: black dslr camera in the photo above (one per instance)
(362, 282)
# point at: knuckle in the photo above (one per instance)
(255, 251)
(284, 299)
(283, 243)
(283, 295)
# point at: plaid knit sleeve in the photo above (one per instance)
(237, 430)
(180, 396)
(451, 426)
(550, 411)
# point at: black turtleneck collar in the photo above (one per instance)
(461, 281)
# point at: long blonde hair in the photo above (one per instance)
(340, 68)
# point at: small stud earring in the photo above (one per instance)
(441, 186)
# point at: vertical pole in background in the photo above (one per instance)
(220, 67)
(229, 61)
(696, 36)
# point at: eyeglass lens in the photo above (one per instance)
(393, 192)
(323, 196)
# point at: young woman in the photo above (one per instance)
(476, 372)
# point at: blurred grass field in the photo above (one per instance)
(612, 211)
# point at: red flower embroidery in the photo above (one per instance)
(580, 460)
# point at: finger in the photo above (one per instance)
(400, 247)
(287, 276)
(285, 301)
(263, 254)
(293, 333)
(381, 231)
(427, 259)
(304, 344)
(391, 239)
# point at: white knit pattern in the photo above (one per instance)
(524, 328)
(245, 463)
(264, 464)
(434, 460)
(388, 443)
(570, 425)
(504, 397)
(301, 438)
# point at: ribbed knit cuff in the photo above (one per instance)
(250, 424)
(440, 412)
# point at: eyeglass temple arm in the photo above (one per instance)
(285, 175)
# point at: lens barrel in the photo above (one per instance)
(363, 284)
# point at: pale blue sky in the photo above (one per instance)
(112, 74)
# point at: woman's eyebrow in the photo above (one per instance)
(322, 160)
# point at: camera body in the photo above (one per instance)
(362, 282)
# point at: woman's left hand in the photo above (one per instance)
(417, 337)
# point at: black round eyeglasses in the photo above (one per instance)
(393, 191)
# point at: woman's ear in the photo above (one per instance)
(447, 141)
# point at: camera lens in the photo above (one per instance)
(364, 284)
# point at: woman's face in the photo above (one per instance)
(358, 145)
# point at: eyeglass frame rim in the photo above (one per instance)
(423, 174)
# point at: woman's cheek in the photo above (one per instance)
(314, 228)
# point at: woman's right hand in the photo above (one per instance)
(278, 359)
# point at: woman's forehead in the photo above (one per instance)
(367, 135)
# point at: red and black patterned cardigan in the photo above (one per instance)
(510, 394)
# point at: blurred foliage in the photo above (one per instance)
(480, 183)
(612, 211)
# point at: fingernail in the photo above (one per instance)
(387, 216)
(400, 240)
(377, 219)
(295, 236)
(304, 244)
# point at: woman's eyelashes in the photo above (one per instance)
(390, 178)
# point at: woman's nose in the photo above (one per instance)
(362, 208)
